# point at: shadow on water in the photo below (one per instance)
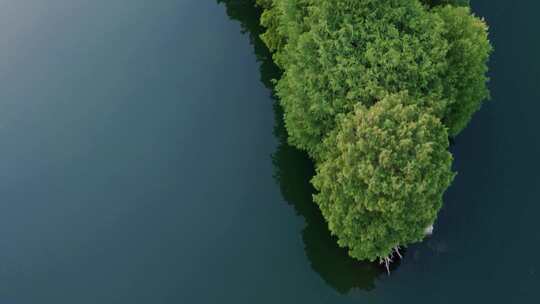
(248, 14)
(293, 171)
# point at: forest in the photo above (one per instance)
(373, 90)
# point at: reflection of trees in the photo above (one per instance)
(293, 171)
(248, 14)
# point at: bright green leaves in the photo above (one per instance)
(384, 171)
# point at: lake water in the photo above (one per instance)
(144, 161)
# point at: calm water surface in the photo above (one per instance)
(144, 161)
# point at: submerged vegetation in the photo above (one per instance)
(372, 90)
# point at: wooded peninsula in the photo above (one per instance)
(372, 90)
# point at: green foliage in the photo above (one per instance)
(384, 172)
(284, 20)
(432, 3)
(465, 78)
(372, 89)
(270, 19)
(340, 53)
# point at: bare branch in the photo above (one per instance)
(396, 250)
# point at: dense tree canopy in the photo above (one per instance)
(384, 171)
(346, 52)
(382, 83)
(465, 77)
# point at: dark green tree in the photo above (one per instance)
(465, 77)
(383, 176)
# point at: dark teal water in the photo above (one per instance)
(143, 161)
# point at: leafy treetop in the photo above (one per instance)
(384, 171)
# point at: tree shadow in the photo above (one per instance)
(293, 170)
(248, 14)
